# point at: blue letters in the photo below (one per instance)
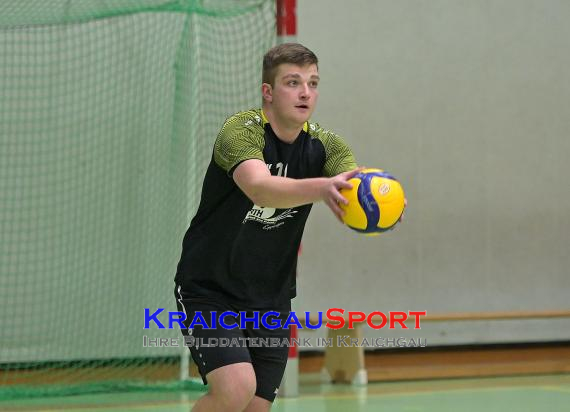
(152, 317)
(270, 320)
(243, 319)
(198, 320)
(308, 322)
(292, 318)
(271, 324)
(171, 319)
(223, 320)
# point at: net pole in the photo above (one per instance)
(286, 19)
(184, 363)
(286, 25)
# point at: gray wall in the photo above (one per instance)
(467, 103)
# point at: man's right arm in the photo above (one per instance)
(254, 179)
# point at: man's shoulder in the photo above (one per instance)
(241, 138)
(246, 126)
(339, 157)
(316, 131)
(248, 118)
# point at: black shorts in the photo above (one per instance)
(214, 347)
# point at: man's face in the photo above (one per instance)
(294, 94)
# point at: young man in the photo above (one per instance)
(240, 253)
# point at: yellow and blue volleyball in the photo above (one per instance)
(375, 202)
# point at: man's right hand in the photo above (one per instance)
(330, 192)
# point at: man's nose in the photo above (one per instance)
(304, 94)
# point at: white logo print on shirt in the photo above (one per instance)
(269, 216)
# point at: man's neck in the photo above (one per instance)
(285, 133)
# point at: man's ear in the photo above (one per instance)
(267, 92)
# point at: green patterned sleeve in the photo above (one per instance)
(339, 157)
(241, 138)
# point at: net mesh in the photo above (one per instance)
(108, 112)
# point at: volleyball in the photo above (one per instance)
(376, 202)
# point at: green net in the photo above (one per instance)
(108, 112)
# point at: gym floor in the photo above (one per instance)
(529, 393)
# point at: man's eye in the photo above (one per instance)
(313, 84)
(292, 83)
